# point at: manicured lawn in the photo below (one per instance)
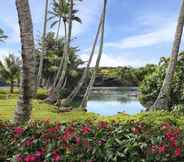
(44, 111)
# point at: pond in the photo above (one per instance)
(109, 101)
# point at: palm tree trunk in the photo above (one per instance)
(24, 106)
(12, 86)
(58, 82)
(66, 49)
(91, 83)
(44, 51)
(62, 58)
(163, 100)
(58, 29)
(52, 92)
(81, 82)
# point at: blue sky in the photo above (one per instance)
(137, 31)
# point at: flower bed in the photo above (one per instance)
(87, 142)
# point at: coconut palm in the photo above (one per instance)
(163, 100)
(40, 69)
(91, 83)
(24, 106)
(10, 70)
(64, 60)
(2, 36)
(81, 82)
(61, 12)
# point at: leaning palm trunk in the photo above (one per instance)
(91, 83)
(81, 82)
(66, 50)
(163, 100)
(58, 29)
(62, 58)
(52, 97)
(44, 51)
(24, 107)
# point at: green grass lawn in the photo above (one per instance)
(41, 110)
(44, 111)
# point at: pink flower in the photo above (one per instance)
(29, 142)
(165, 126)
(77, 140)
(86, 130)
(30, 158)
(162, 149)
(68, 134)
(103, 124)
(19, 131)
(56, 156)
(177, 152)
(135, 130)
(19, 158)
(39, 153)
(52, 130)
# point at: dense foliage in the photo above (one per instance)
(10, 68)
(53, 58)
(122, 76)
(87, 142)
(152, 83)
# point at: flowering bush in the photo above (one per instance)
(87, 142)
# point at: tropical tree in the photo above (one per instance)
(65, 11)
(24, 106)
(91, 83)
(40, 69)
(10, 70)
(81, 82)
(64, 61)
(2, 35)
(59, 13)
(163, 99)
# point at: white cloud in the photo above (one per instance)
(114, 60)
(162, 35)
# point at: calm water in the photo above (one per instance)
(110, 101)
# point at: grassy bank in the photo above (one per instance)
(44, 111)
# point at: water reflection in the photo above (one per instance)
(110, 101)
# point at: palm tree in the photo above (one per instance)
(43, 45)
(163, 100)
(91, 83)
(81, 82)
(61, 10)
(10, 70)
(2, 36)
(64, 60)
(24, 106)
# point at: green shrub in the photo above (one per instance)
(152, 84)
(86, 142)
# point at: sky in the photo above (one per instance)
(137, 32)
